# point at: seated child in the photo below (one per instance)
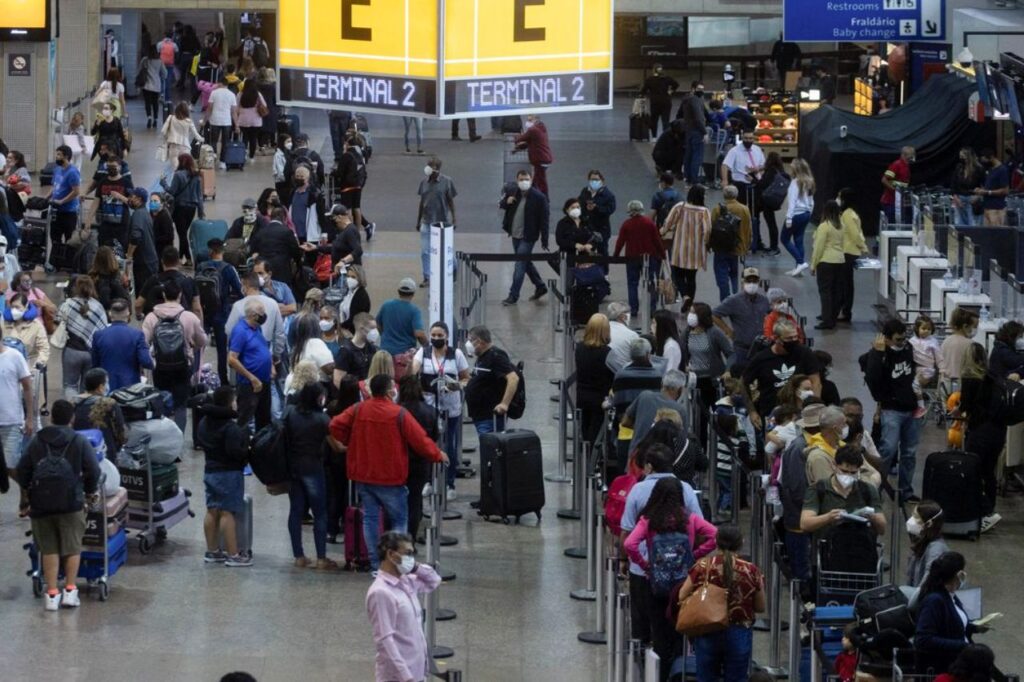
(927, 359)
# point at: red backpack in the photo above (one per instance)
(615, 502)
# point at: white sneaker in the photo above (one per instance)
(800, 268)
(51, 603)
(989, 522)
(223, 166)
(428, 490)
(71, 599)
(451, 495)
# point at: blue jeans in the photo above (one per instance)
(694, 155)
(727, 272)
(453, 447)
(394, 500)
(724, 655)
(416, 122)
(798, 547)
(308, 491)
(523, 268)
(792, 237)
(487, 425)
(900, 433)
(425, 249)
(165, 85)
(964, 215)
(633, 271)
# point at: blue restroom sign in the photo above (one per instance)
(863, 20)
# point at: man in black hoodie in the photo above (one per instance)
(889, 373)
(226, 447)
(58, 469)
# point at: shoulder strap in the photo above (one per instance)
(401, 417)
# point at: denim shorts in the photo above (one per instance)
(225, 490)
(13, 442)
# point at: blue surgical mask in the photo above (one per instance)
(154, 206)
(595, 185)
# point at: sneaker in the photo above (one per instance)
(223, 166)
(215, 557)
(773, 252)
(326, 564)
(428, 490)
(989, 522)
(51, 602)
(539, 294)
(800, 268)
(239, 559)
(70, 598)
(425, 283)
(420, 152)
(370, 229)
(509, 301)
(302, 562)
(451, 496)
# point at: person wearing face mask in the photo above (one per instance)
(778, 299)
(249, 355)
(743, 164)
(639, 237)
(347, 247)
(598, 204)
(247, 224)
(726, 260)
(822, 446)
(659, 88)
(1007, 357)
(994, 189)
(355, 354)
(350, 179)
(308, 208)
(571, 235)
(393, 607)
(795, 392)
(112, 213)
(281, 156)
(981, 402)
(63, 195)
(444, 373)
(621, 336)
(841, 492)
(163, 223)
(926, 543)
(897, 176)
(967, 176)
(230, 291)
(9, 267)
(108, 131)
(302, 155)
(854, 247)
(356, 300)
(963, 325)
(706, 349)
(943, 627)
(186, 189)
(527, 214)
(330, 329)
(769, 370)
(695, 124)
(889, 374)
(437, 205)
(534, 139)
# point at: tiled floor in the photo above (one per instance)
(171, 617)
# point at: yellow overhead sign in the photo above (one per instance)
(24, 13)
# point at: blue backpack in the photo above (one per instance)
(669, 558)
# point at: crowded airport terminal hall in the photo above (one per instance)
(511, 340)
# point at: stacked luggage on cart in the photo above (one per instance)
(156, 500)
(34, 230)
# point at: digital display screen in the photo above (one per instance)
(534, 93)
(666, 26)
(359, 91)
(25, 20)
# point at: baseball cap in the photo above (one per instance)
(751, 272)
(248, 202)
(407, 286)
(337, 209)
(141, 193)
(811, 416)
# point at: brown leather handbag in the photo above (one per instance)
(706, 610)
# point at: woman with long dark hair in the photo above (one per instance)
(981, 402)
(666, 338)
(943, 627)
(107, 276)
(186, 188)
(976, 663)
(663, 522)
(410, 396)
(827, 262)
(926, 544)
(967, 176)
(772, 168)
(308, 345)
(247, 116)
(346, 396)
(83, 315)
(707, 351)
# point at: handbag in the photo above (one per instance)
(140, 77)
(261, 108)
(59, 338)
(666, 287)
(706, 610)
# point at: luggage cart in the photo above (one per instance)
(514, 160)
(97, 566)
(841, 587)
(149, 517)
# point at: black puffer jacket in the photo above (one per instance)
(224, 442)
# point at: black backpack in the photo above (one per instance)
(268, 454)
(260, 54)
(208, 283)
(725, 231)
(517, 406)
(54, 486)
(1011, 402)
(170, 352)
(774, 195)
(140, 77)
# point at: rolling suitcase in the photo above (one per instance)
(952, 479)
(117, 513)
(357, 554)
(166, 513)
(234, 154)
(208, 177)
(243, 529)
(202, 231)
(165, 483)
(640, 127)
(511, 474)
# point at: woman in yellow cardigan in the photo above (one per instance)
(854, 246)
(827, 261)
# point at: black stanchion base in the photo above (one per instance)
(556, 478)
(446, 575)
(442, 652)
(554, 382)
(592, 637)
(555, 397)
(444, 614)
(450, 515)
(573, 514)
(448, 541)
(761, 625)
(576, 553)
(779, 673)
(466, 449)
(583, 595)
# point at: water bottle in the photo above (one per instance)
(983, 314)
(962, 286)
(947, 279)
(892, 267)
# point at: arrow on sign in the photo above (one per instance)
(930, 27)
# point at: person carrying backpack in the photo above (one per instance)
(175, 335)
(670, 534)
(729, 240)
(218, 286)
(59, 469)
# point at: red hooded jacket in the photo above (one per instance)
(535, 139)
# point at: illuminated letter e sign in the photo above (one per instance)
(350, 32)
(521, 33)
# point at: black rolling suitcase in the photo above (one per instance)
(640, 127)
(586, 300)
(511, 474)
(952, 479)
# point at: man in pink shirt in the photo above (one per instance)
(393, 605)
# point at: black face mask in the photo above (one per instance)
(439, 343)
(261, 319)
(297, 182)
(790, 346)
(747, 145)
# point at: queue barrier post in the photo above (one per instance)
(594, 541)
(579, 491)
(774, 667)
(794, 626)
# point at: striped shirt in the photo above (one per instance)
(689, 226)
(79, 326)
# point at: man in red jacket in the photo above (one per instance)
(534, 139)
(379, 435)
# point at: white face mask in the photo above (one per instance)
(288, 146)
(1019, 343)
(17, 313)
(575, 213)
(807, 394)
(846, 480)
(428, 171)
(351, 282)
(914, 527)
(3, 251)
(626, 320)
(971, 332)
(326, 326)
(373, 336)
(469, 350)
(691, 320)
(782, 307)
(750, 288)
(263, 280)
(528, 124)
(249, 215)
(406, 565)
(524, 185)
(845, 433)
